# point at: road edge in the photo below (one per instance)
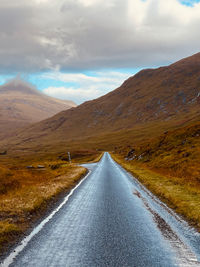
(138, 176)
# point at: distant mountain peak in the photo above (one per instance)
(18, 84)
(149, 102)
(22, 104)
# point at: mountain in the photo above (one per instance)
(21, 104)
(150, 102)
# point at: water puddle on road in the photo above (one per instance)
(185, 257)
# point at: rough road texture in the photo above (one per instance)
(110, 220)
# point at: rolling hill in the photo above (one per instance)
(145, 105)
(21, 104)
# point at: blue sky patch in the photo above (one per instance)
(189, 2)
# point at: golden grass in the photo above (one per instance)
(174, 153)
(36, 187)
(183, 197)
(26, 194)
(86, 156)
(8, 231)
(20, 206)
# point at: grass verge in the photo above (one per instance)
(27, 194)
(183, 197)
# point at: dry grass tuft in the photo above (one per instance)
(26, 194)
(183, 197)
(169, 166)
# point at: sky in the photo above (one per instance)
(82, 49)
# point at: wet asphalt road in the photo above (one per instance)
(111, 220)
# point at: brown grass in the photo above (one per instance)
(26, 194)
(145, 105)
(174, 153)
(182, 196)
(169, 166)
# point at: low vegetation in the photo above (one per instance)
(29, 187)
(169, 166)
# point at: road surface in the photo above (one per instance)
(109, 220)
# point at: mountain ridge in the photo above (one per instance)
(22, 104)
(168, 96)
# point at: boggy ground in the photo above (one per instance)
(26, 194)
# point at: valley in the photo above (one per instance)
(150, 124)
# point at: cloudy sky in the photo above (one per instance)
(81, 49)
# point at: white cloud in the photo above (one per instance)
(77, 95)
(89, 3)
(86, 87)
(41, 1)
(77, 35)
(97, 77)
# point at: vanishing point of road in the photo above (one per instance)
(110, 219)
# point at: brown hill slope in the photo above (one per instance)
(168, 166)
(21, 104)
(175, 152)
(148, 103)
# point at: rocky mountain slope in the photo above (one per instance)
(21, 104)
(153, 99)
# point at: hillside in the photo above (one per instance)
(175, 152)
(21, 104)
(168, 166)
(150, 102)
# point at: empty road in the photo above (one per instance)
(109, 220)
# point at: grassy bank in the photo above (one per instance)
(182, 196)
(26, 194)
(86, 156)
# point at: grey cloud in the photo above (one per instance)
(78, 35)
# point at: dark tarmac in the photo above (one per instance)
(110, 220)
